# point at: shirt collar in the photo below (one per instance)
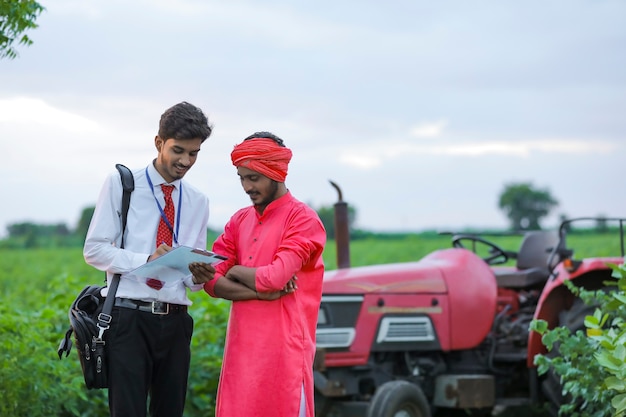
(276, 204)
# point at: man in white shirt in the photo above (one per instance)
(148, 344)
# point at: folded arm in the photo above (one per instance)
(239, 284)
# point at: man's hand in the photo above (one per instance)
(290, 287)
(161, 250)
(202, 272)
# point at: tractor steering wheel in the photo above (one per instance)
(496, 256)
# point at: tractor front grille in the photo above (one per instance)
(405, 329)
(337, 320)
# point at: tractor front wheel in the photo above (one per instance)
(398, 399)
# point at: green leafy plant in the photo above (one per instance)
(35, 296)
(207, 347)
(571, 362)
(32, 379)
(607, 328)
(16, 17)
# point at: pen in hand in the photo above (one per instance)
(161, 250)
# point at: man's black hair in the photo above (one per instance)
(267, 135)
(184, 121)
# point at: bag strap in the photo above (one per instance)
(128, 185)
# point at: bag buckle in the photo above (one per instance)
(103, 323)
(161, 308)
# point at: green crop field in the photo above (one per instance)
(37, 287)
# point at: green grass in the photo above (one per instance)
(410, 248)
(46, 268)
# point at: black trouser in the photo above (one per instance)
(148, 354)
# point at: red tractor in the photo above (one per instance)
(450, 331)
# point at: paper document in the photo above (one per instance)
(174, 265)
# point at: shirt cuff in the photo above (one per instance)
(209, 287)
(188, 280)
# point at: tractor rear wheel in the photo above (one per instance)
(398, 399)
(574, 320)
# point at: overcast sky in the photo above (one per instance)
(421, 111)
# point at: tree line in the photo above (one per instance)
(522, 203)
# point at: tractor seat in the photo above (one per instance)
(531, 267)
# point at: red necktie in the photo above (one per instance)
(164, 233)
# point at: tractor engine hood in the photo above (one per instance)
(422, 276)
(432, 274)
(454, 287)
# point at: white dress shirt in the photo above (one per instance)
(102, 244)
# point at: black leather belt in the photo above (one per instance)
(154, 307)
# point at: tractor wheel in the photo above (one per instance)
(398, 399)
(574, 320)
(322, 405)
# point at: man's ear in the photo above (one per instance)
(158, 142)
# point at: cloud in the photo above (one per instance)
(361, 161)
(374, 155)
(429, 130)
(430, 95)
(521, 148)
(36, 112)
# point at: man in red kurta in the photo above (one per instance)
(274, 276)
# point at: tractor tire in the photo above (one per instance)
(574, 320)
(398, 399)
(323, 405)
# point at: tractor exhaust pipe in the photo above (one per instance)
(342, 233)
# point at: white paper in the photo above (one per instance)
(173, 266)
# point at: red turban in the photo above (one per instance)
(264, 156)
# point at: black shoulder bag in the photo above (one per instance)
(90, 313)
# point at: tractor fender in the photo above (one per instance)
(556, 297)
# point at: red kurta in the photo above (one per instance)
(270, 345)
